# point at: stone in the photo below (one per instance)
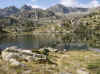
(50, 49)
(39, 57)
(17, 54)
(65, 73)
(14, 62)
(81, 71)
(12, 47)
(6, 56)
(26, 51)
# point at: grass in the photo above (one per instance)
(94, 66)
(73, 60)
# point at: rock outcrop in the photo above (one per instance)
(81, 71)
(14, 55)
(49, 49)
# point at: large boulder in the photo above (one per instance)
(14, 62)
(15, 55)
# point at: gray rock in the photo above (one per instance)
(81, 71)
(12, 55)
(39, 57)
(50, 49)
(65, 73)
(14, 62)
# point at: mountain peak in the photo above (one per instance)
(59, 8)
(26, 7)
(59, 5)
(11, 8)
(9, 11)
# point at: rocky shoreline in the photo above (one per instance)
(14, 60)
(13, 55)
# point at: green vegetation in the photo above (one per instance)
(94, 66)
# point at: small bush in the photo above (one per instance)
(92, 66)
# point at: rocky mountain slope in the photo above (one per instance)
(8, 11)
(28, 16)
(37, 11)
(61, 9)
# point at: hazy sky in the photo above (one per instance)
(48, 3)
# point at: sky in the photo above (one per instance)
(47, 3)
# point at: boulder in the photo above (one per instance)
(39, 57)
(14, 62)
(9, 55)
(15, 55)
(49, 49)
(82, 71)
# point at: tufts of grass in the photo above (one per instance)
(94, 64)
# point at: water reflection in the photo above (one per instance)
(34, 41)
(30, 41)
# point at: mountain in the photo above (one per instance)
(59, 8)
(8, 11)
(48, 12)
(26, 16)
(26, 8)
(25, 12)
(30, 17)
(33, 12)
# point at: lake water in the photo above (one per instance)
(34, 41)
(30, 41)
